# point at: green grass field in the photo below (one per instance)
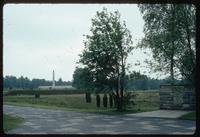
(189, 116)
(10, 122)
(145, 101)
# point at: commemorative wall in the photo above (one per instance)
(177, 97)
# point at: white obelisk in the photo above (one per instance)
(53, 79)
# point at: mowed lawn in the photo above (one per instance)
(145, 101)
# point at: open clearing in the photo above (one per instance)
(145, 101)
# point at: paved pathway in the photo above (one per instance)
(43, 121)
(161, 114)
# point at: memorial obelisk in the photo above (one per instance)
(53, 80)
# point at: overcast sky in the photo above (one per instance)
(40, 38)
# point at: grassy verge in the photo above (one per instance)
(105, 111)
(76, 102)
(189, 116)
(10, 122)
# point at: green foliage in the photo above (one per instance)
(189, 116)
(129, 99)
(37, 95)
(114, 100)
(136, 81)
(88, 97)
(111, 100)
(145, 101)
(106, 51)
(105, 100)
(10, 122)
(98, 100)
(170, 34)
(12, 82)
(82, 79)
(187, 67)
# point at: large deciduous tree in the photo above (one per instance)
(187, 58)
(82, 79)
(106, 51)
(170, 34)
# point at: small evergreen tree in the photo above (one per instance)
(111, 100)
(105, 100)
(37, 95)
(98, 100)
(88, 97)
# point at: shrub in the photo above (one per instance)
(129, 99)
(37, 95)
(105, 100)
(111, 100)
(88, 97)
(115, 100)
(98, 100)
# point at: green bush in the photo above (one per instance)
(88, 97)
(111, 100)
(37, 95)
(98, 100)
(129, 99)
(10, 122)
(115, 100)
(105, 100)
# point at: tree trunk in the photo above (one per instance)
(172, 51)
(191, 56)
(119, 101)
(172, 68)
(122, 85)
(118, 89)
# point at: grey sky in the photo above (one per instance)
(38, 38)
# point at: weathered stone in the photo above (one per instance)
(176, 97)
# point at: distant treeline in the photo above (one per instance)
(133, 81)
(44, 92)
(12, 82)
(145, 84)
(137, 81)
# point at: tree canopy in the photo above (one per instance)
(170, 34)
(82, 79)
(106, 51)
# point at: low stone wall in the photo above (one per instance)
(177, 97)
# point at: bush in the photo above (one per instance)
(88, 97)
(98, 100)
(37, 95)
(111, 100)
(105, 100)
(129, 99)
(115, 100)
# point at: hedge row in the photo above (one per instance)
(44, 92)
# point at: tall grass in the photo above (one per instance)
(144, 102)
